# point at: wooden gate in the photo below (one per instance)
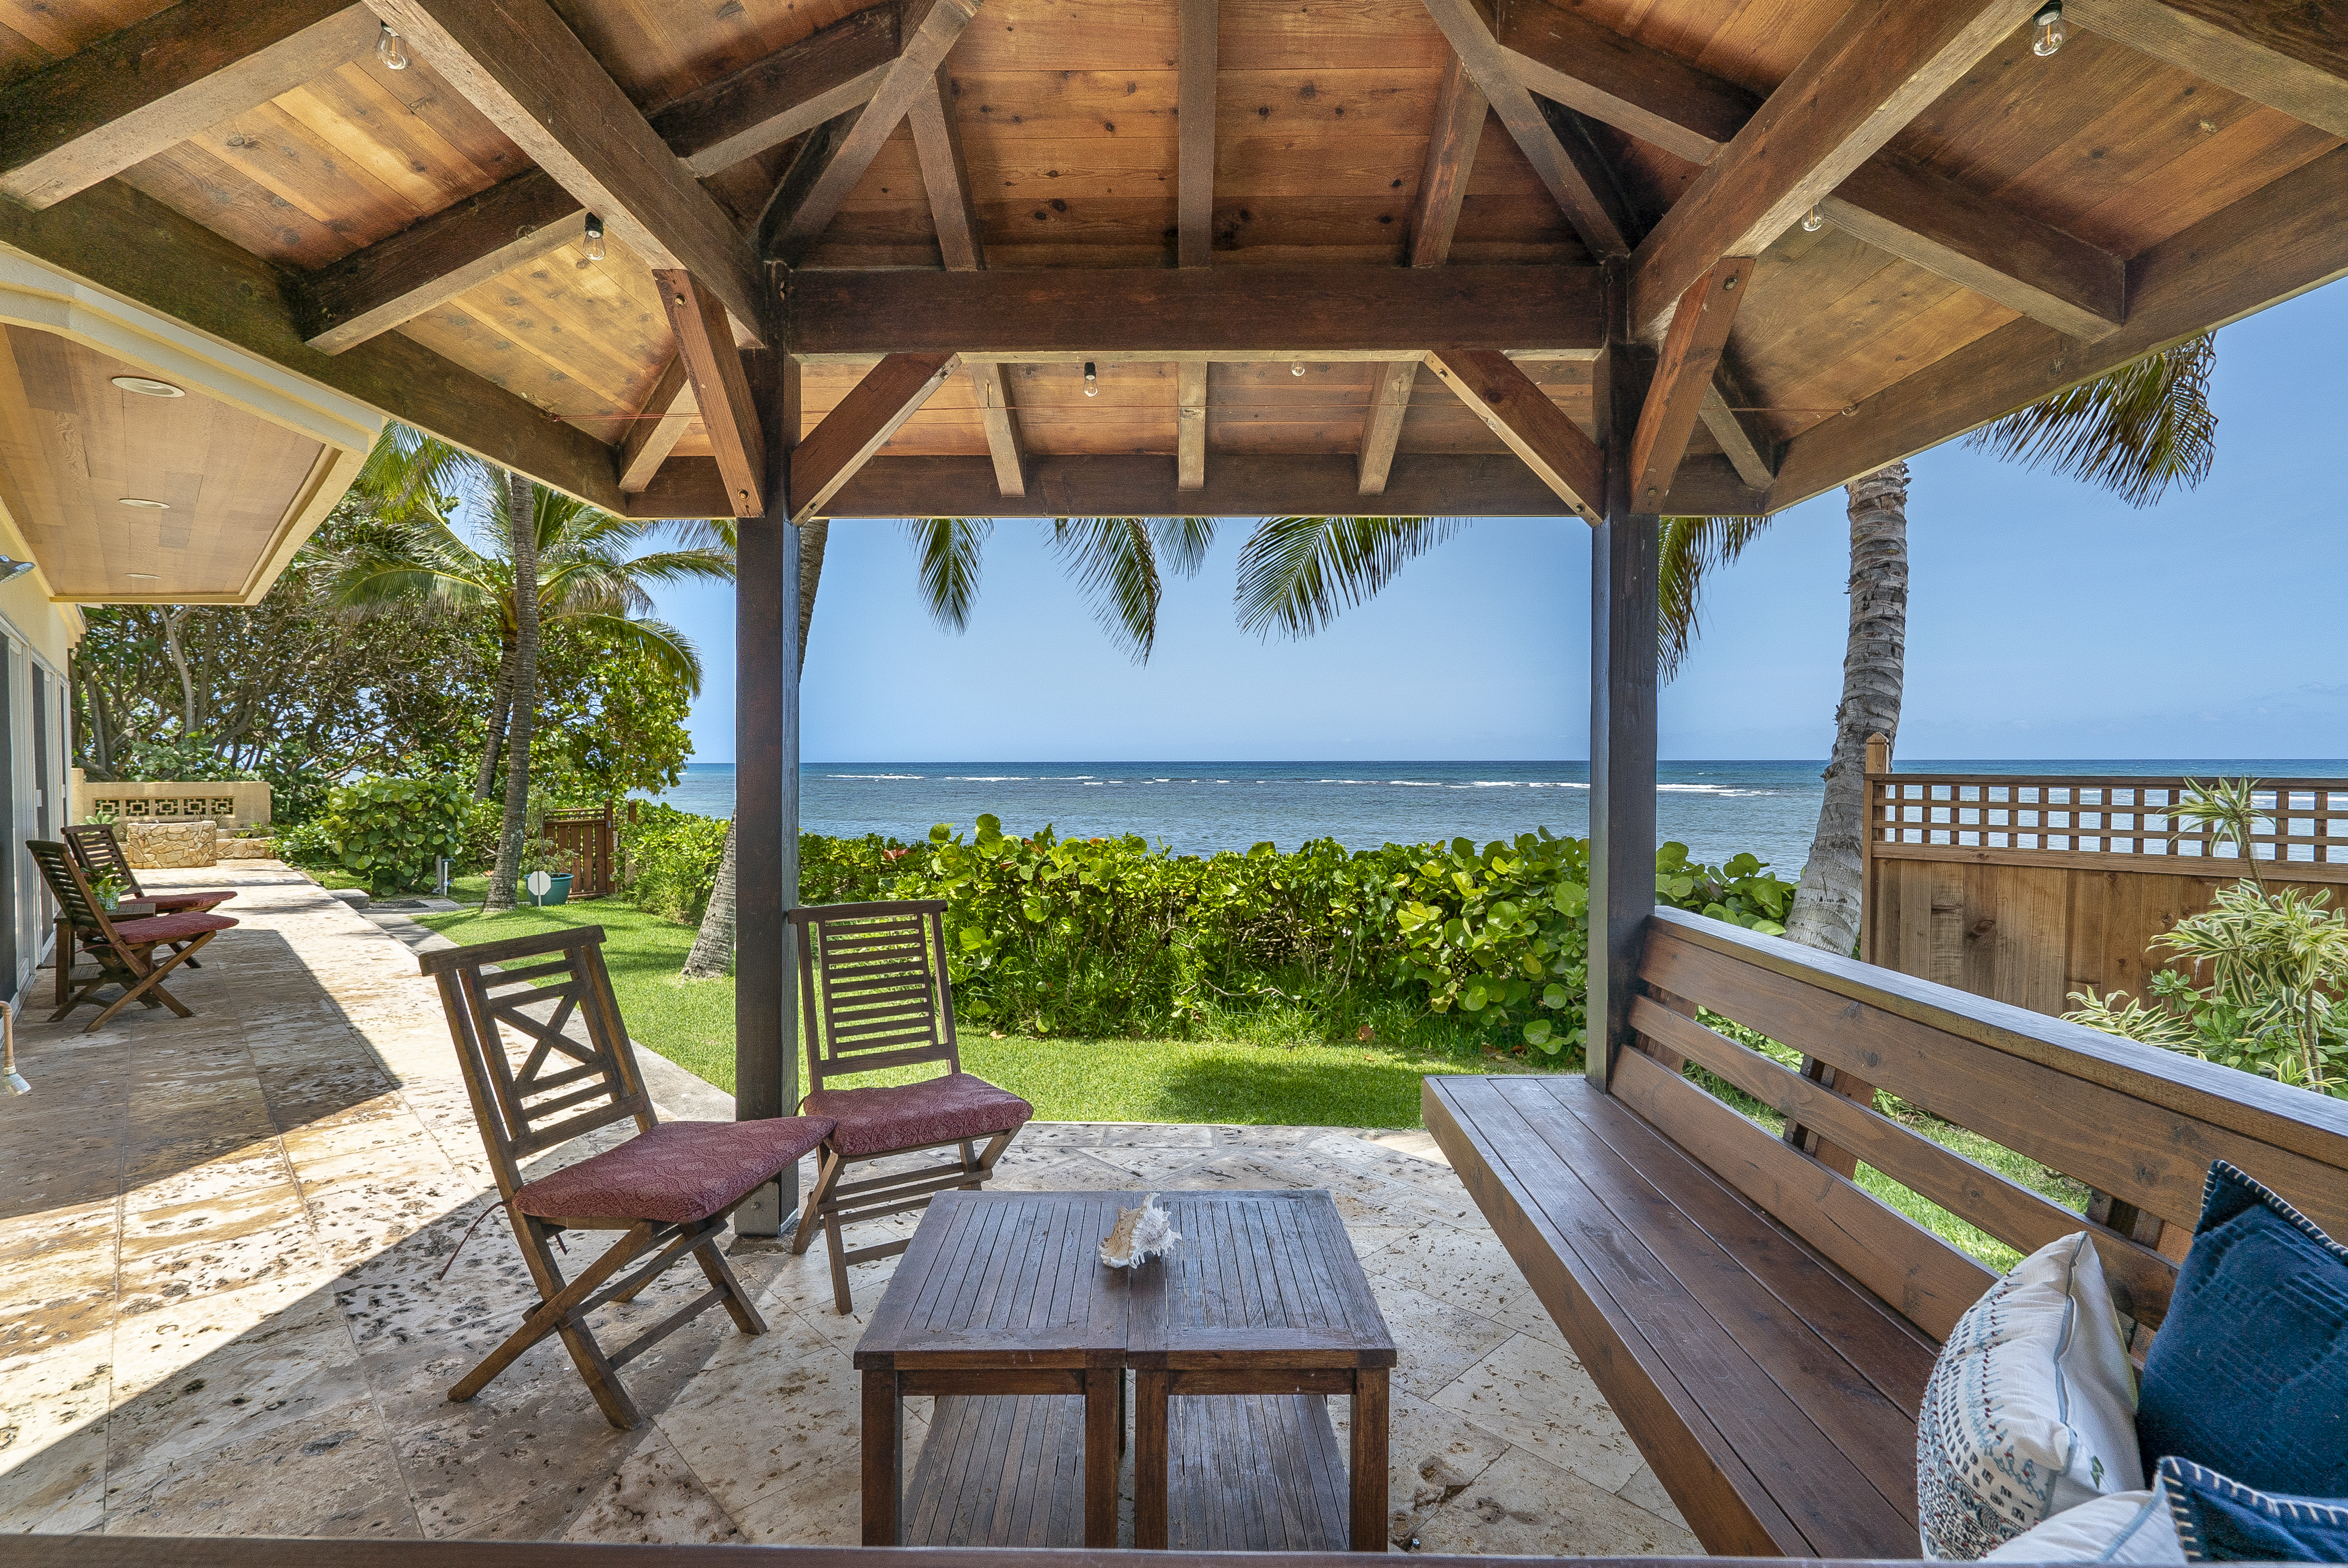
(584, 839)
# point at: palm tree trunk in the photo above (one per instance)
(524, 522)
(501, 717)
(713, 945)
(1826, 912)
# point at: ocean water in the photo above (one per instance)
(1718, 809)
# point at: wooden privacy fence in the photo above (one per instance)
(586, 842)
(2028, 888)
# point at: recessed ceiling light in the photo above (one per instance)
(142, 501)
(143, 576)
(149, 386)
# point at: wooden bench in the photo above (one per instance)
(1762, 1324)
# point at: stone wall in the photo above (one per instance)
(246, 848)
(169, 845)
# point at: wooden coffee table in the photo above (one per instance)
(1003, 1310)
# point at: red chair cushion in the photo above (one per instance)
(170, 927)
(909, 1115)
(203, 899)
(677, 1172)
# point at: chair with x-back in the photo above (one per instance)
(572, 1071)
(124, 950)
(93, 845)
(874, 991)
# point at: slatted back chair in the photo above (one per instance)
(875, 994)
(94, 844)
(124, 950)
(668, 1189)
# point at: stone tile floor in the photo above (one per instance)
(232, 1295)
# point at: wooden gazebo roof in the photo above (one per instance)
(1325, 255)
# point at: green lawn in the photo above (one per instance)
(691, 1023)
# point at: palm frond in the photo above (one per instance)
(668, 647)
(1181, 543)
(2135, 431)
(1690, 549)
(1113, 561)
(407, 472)
(948, 550)
(1297, 574)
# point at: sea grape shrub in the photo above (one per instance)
(670, 859)
(390, 832)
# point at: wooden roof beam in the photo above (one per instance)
(783, 95)
(136, 92)
(1195, 128)
(1536, 429)
(1882, 64)
(660, 424)
(926, 31)
(1683, 376)
(721, 389)
(2275, 55)
(1749, 450)
(827, 456)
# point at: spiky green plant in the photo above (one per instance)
(2135, 431)
(2229, 809)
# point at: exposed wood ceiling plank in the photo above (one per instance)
(721, 388)
(518, 64)
(926, 31)
(1676, 394)
(785, 93)
(1535, 429)
(2290, 236)
(1883, 64)
(135, 92)
(1190, 425)
(132, 245)
(1748, 452)
(1000, 421)
(1469, 29)
(1243, 485)
(828, 456)
(659, 425)
(2275, 53)
(1311, 313)
(1199, 27)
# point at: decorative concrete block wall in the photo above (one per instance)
(169, 845)
(233, 805)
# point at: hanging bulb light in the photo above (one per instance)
(594, 241)
(388, 49)
(1813, 221)
(1297, 368)
(1092, 380)
(2051, 30)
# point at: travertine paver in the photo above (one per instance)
(232, 1296)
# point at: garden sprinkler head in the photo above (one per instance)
(8, 1073)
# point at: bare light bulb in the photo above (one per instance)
(1092, 380)
(388, 49)
(594, 244)
(1813, 221)
(2051, 30)
(1297, 368)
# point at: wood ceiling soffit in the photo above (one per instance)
(1200, 29)
(1470, 30)
(783, 95)
(130, 244)
(2283, 239)
(1683, 375)
(659, 425)
(1884, 63)
(522, 67)
(1946, 229)
(721, 388)
(1461, 109)
(1071, 314)
(1535, 429)
(928, 30)
(134, 93)
(827, 456)
(2254, 50)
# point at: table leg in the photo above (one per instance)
(1369, 1443)
(884, 1456)
(1149, 1391)
(1104, 1440)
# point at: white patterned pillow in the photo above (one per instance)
(2031, 1408)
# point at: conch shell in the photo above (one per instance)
(1140, 1233)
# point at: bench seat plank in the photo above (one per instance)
(1693, 1313)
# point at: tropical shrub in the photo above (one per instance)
(391, 832)
(670, 858)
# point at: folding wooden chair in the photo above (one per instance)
(668, 1189)
(872, 982)
(125, 951)
(94, 844)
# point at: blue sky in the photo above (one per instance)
(2045, 619)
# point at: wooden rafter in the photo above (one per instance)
(721, 389)
(1877, 70)
(998, 415)
(1684, 375)
(927, 30)
(660, 424)
(525, 70)
(860, 424)
(1319, 313)
(1190, 425)
(2286, 56)
(134, 93)
(1536, 429)
(785, 93)
(1195, 121)
(1748, 450)
(1460, 110)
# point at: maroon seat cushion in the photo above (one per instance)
(906, 1116)
(679, 1172)
(170, 927)
(201, 899)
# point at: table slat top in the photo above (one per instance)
(1262, 1278)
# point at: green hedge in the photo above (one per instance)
(391, 832)
(669, 861)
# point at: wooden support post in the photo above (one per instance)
(1624, 590)
(1879, 760)
(1190, 425)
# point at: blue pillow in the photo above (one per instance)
(2249, 1373)
(2223, 1520)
